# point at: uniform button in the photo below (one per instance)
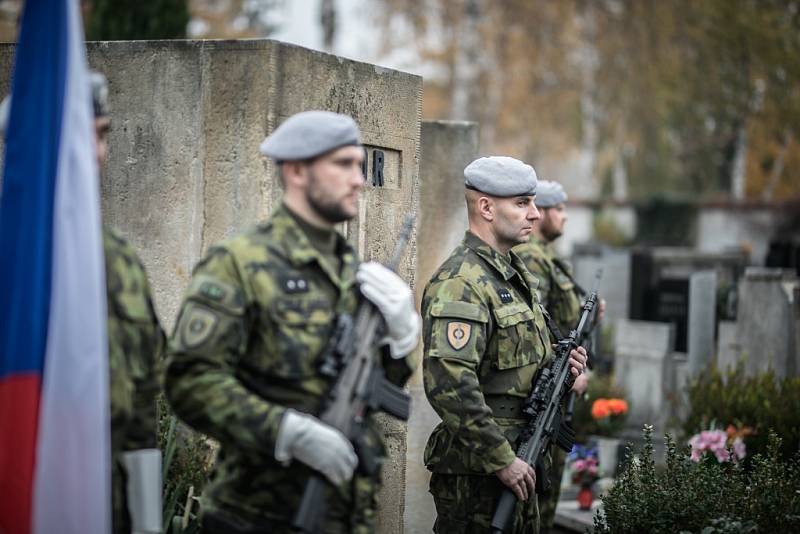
(290, 284)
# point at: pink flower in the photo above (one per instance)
(739, 449)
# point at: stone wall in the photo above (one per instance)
(184, 169)
(447, 147)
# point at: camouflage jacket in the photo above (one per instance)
(484, 339)
(257, 316)
(557, 291)
(135, 349)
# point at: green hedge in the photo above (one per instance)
(761, 402)
(704, 498)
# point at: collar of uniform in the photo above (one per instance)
(500, 262)
(297, 248)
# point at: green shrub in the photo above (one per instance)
(761, 402)
(704, 498)
(185, 469)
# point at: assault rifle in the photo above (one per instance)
(543, 408)
(361, 387)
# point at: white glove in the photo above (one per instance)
(321, 447)
(393, 298)
(144, 489)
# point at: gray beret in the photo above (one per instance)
(549, 194)
(310, 134)
(500, 176)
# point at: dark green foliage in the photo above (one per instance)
(123, 20)
(185, 469)
(761, 402)
(705, 497)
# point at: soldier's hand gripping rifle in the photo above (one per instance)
(361, 387)
(543, 409)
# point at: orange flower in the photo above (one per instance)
(617, 406)
(600, 409)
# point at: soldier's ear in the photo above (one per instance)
(486, 208)
(294, 173)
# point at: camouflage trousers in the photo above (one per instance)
(355, 513)
(121, 520)
(549, 500)
(465, 504)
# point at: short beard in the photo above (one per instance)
(548, 232)
(328, 209)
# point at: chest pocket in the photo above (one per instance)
(300, 328)
(518, 336)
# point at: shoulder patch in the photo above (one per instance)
(208, 289)
(198, 327)
(458, 334)
(212, 290)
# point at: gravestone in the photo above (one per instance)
(702, 320)
(184, 170)
(642, 369)
(767, 320)
(615, 285)
(728, 349)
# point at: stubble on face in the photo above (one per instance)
(513, 225)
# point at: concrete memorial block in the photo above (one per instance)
(642, 369)
(702, 320)
(184, 170)
(448, 147)
(767, 320)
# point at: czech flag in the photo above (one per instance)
(55, 472)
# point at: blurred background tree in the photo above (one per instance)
(687, 97)
(111, 20)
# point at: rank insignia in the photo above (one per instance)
(294, 284)
(505, 295)
(458, 334)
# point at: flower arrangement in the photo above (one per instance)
(609, 414)
(723, 445)
(583, 463)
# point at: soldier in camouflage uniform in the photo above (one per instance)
(257, 316)
(484, 339)
(561, 297)
(136, 345)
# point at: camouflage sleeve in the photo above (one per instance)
(455, 337)
(135, 345)
(209, 338)
(146, 375)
